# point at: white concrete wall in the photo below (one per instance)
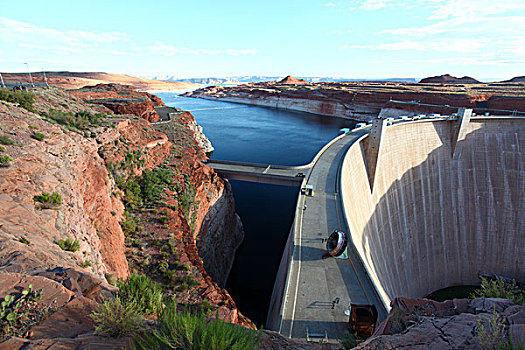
(433, 221)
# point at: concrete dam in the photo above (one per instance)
(428, 204)
(433, 203)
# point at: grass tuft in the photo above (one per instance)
(115, 318)
(184, 330)
(142, 292)
(69, 245)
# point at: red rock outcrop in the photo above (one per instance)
(121, 99)
(426, 324)
(292, 80)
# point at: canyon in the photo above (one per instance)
(196, 220)
(364, 101)
(85, 168)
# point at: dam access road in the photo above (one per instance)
(317, 291)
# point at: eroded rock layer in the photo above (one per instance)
(364, 101)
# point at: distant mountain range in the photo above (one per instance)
(258, 78)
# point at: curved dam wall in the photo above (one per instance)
(439, 212)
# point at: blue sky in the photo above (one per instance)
(348, 38)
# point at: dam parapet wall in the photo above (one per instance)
(440, 212)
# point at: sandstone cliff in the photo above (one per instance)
(364, 101)
(121, 99)
(88, 168)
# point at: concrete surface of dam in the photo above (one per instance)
(439, 202)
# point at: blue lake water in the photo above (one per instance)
(269, 136)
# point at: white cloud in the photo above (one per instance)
(339, 32)
(12, 30)
(445, 45)
(375, 4)
(32, 37)
(329, 4)
(470, 9)
(169, 50)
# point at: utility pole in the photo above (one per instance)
(30, 77)
(45, 78)
(2, 79)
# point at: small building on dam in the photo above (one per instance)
(433, 203)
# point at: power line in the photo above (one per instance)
(30, 77)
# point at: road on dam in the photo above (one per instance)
(313, 283)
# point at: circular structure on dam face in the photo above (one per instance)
(431, 204)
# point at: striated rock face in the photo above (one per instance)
(66, 163)
(426, 324)
(121, 99)
(364, 101)
(202, 141)
(220, 233)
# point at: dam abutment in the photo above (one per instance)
(440, 212)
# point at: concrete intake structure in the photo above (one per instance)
(436, 212)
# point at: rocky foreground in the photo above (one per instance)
(364, 101)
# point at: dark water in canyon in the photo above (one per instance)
(260, 135)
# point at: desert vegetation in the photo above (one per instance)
(78, 122)
(23, 98)
(48, 201)
(20, 311)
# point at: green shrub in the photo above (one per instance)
(86, 263)
(349, 341)
(132, 194)
(75, 121)
(69, 245)
(206, 308)
(183, 330)
(2, 149)
(33, 127)
(6, 140)
(164, 219)
(115, 318)
(153, 183)
(491, 334)
(5, 160)
(500, 289)
(129, 223)
(38, 136)
(142, 292)
(23, 98)
(17, 314)
(47, 200)
(23, 240)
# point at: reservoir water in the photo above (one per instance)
(269, 136)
